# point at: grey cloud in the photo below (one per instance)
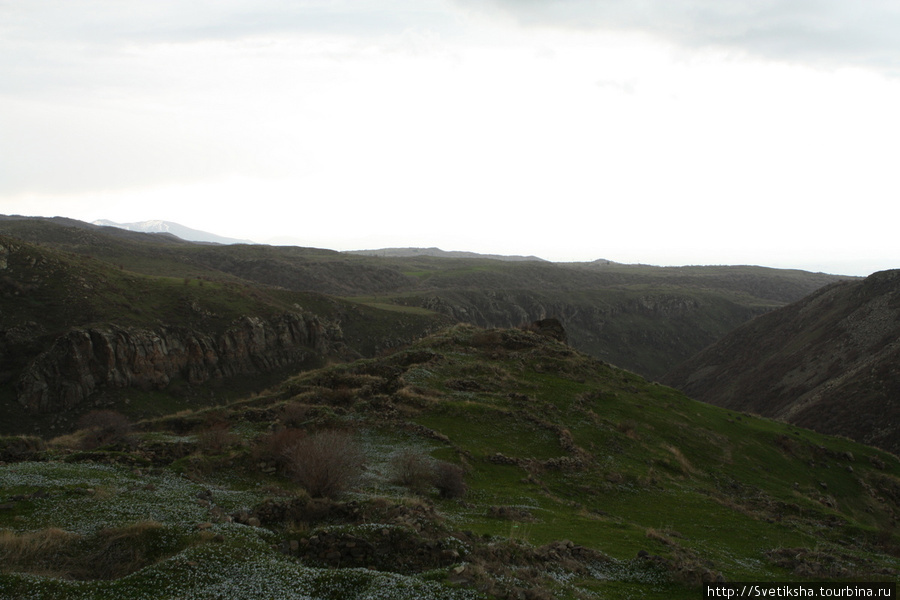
(862, 32)
(113, 21)
(92, 44)
(827, 32)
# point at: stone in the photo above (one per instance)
(551, 328)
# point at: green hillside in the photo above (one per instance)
(47, 293)
(643, 318)
(828, 362)
(497, 464)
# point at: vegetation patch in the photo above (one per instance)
(558, 477)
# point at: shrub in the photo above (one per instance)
(103, 427)
(412, 469)
(277, 446)
(326, 463)
(449, 480)
(217, 438)
(294, 414)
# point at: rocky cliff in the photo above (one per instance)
(86, 360)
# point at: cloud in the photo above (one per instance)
(822, 32)
(137, 21)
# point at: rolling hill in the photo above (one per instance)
(643, 318)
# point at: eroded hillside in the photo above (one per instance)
(830, 362)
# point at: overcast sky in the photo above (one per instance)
(662, 131)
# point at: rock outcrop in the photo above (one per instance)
(86, 360)
(647, 332)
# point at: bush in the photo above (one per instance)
(326, 463)
(412, 469)
(294, 414)
(277, 446)
(217, 438)
(449, 480)
(103, 427)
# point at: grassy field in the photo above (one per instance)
(581, 481)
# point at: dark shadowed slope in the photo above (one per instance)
(829, 362)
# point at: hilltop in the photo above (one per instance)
(498, 464)
(828, 362)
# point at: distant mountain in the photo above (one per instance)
(829, 362)
(409, 252)
(185, 233)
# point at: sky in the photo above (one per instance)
(666, 132)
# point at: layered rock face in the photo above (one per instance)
(84, 361)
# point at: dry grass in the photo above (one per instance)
(686, 465)
(70, 441)
(20, 447)
(414, 397)
(41, 552)
(109, 554)
(629, 428)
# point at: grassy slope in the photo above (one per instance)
(590, 453)
(44, 292)
(827, 362)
